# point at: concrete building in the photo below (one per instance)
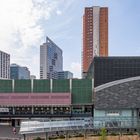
(45, 98)
(65, 75)
(95, 35)
(19, 72)
(4, 65)
(51, 60)
(32, 77)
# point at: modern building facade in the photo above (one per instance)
(95, 35)
(19, 72)
(65, 75)
(117, 104)
(108, 69)
(4, 65)
(51, 60)
(116, 92)
(49, 98)
(112, 105)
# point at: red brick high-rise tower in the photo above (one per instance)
(95, 35)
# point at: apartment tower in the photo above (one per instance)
(95, 35)
(4, 65)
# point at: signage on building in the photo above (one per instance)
(4, 109)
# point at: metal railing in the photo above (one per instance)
(35, 126)
(87, 123)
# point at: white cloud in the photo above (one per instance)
(20, 33)
(58, 12)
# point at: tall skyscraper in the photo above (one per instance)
(4, 65)
(51, 60)
(95, 35)
(18, 72)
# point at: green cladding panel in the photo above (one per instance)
(22, 86)
(81, 91)
(5, 86)
(41, 86)
(61, 85)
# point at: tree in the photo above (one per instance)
(38, 138)
(103, 134)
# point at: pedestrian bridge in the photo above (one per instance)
(39, 126)
(78, 124)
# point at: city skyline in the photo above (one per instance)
(24, 27)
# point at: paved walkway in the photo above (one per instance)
(6, 132)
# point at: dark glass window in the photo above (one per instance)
(108, 69)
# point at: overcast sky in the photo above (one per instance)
(24, 25)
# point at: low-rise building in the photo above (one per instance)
(19, 72)
(32, 77)
(117, 103)
(39, 98)
(65, 75)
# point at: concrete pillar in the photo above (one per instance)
(32, 110)
(46, 138)
(17, 122)
(51, 84)
(70, 85)
(13, 85)
(32, 84)
(51, 110)
(13, 110)
(132, 124)
(85, 134)
(92, 90)
(83, 108)
(66, 135)
(24, 136)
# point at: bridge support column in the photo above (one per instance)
(24, 136)
(85, 134)
(66, 135)
(46, 138)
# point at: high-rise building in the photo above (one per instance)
(51, 60)
(65, 75)
(4, 65)
(95, 35)
(18, 72)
